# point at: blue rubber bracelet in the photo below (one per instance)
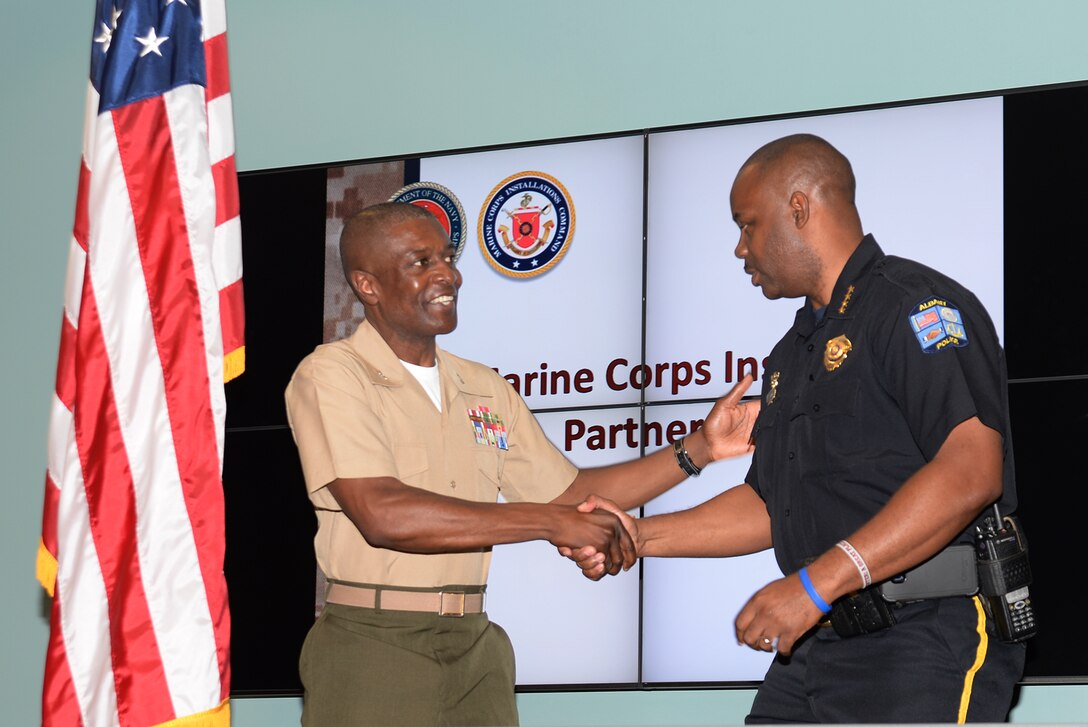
(811, 591)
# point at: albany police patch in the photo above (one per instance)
(441, 203)
(526, 225)
(938, 324)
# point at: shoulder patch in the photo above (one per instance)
(937, 324)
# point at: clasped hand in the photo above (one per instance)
(600, 535)
(727, 431)
(595, 563)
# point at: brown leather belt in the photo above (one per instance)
(443, 603)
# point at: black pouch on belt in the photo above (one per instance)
(862, 612)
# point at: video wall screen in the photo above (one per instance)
(600, 281)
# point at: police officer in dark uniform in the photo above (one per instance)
(882, 443)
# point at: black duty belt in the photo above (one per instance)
(951, 572)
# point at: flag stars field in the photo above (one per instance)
(106, 37)
(151, 43)
(107, 30)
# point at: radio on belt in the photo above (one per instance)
(1004, 575)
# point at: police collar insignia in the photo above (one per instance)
(846, 299)
(937, 323)
(774, 387)
(488, 427)
(836, 351)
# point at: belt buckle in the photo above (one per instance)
(458, 611)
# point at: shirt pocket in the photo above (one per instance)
(828, 424)
(489, 463)
(829, 399)
(768, 417)
(411, 463)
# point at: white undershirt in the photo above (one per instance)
(427, 376)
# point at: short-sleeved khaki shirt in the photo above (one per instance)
(356, 412)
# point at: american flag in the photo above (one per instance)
(133, 526)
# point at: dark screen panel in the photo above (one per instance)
(283, 259)
(1045, 258)
(1049, 431)
(270, 564)
(1046, 246)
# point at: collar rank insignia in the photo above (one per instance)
(836, 351)
(938, 324)
(774, 387)
(488, 427)
(846, 299)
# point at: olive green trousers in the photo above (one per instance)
(361, 666)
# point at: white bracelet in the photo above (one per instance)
(859, 562)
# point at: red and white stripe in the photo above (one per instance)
(133, 528)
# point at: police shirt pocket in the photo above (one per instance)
(410, 460)
(829, 431)
(828, 399)
(766, 419)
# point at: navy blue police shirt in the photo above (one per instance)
(859, 398)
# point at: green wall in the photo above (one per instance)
(351, 79)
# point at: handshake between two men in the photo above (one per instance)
(404, 484)
(735, 522)
(606, 494)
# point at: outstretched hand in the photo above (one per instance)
(728, 426)
(594, 563)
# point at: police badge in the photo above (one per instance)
(836, 351)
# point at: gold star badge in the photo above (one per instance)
(836, 351)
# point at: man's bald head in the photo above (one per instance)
(364, 232)
(793, 200)
(807, 163)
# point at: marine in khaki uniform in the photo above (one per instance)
(405, 449)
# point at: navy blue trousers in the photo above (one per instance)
(941, 663)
